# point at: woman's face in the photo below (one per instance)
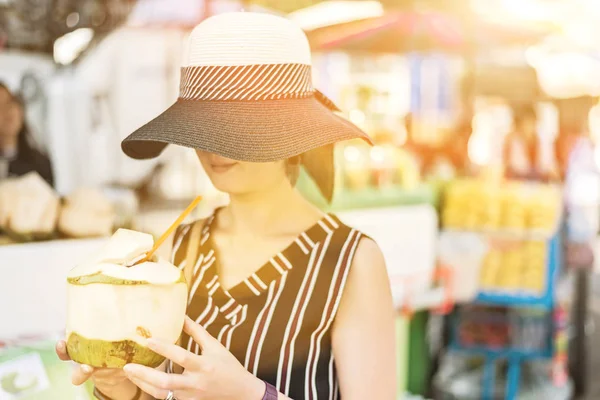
(240, 177)
(11, 115)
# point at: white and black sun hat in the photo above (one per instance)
(246, 93)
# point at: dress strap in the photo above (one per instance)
(192, 251)
(192, 233)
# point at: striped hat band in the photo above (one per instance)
(246, 82)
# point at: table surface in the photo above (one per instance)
(33, 284)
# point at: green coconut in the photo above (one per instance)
(115, 304)
(102, 354)
(111, 280)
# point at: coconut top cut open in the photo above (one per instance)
(115, 264)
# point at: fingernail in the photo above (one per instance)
(129, 368)
(87, 369)
(61, 345)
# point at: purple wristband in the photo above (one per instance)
(270, 392)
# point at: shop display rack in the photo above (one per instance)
(523, 298)
(513, 353)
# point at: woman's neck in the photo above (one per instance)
(8, 144)
(260, 212)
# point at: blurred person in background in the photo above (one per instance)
(18, 153)
(425, 153)
(522, 154)
(286, 302)
(456, 146)
(573, 140)
(575, 153)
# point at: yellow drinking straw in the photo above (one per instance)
(175, 224)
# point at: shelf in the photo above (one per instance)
(502, 233)
(498, 298)
(369, 198)
(345, 200)
(544, 300)
(506, 353)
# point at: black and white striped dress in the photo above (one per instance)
(278, 321)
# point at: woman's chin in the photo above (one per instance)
(244, 185)
(230, 188)
(240, 190)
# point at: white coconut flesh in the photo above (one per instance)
(123, 247)
(112, 308)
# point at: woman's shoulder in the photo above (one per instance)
(368, 254)
(345, 229)
(364, 256)
(367, 248)
(362, 246)
(362, 262)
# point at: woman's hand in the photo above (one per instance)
(216, 374)
(107, 380)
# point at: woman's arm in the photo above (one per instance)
(364, 329)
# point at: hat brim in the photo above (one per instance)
(254, 131)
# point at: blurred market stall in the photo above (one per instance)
(436, 83)
(399, 31)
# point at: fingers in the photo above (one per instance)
(200, 335)
(81, 374)
(155, 392)
(155, 382)
(183, 395)
(109, 376)
(61, 351)
(175, 353)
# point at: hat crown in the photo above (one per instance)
(247, 38)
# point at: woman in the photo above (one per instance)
(522, 153)
(18, 156)
(311, 321)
